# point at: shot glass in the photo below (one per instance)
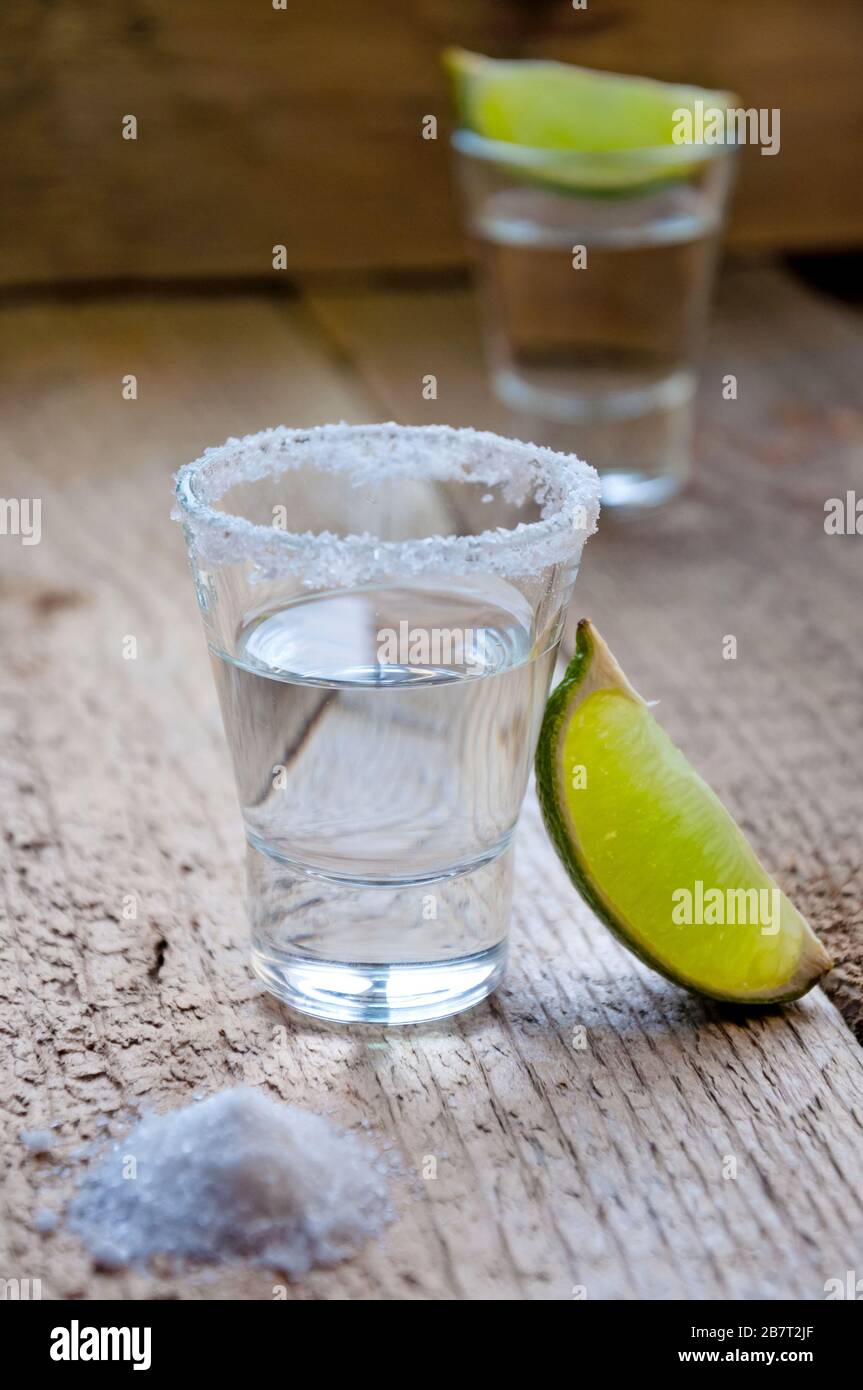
(383, 607)
(594, 272)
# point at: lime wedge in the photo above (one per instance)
(558, 107)
(652, 849)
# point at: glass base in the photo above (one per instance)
(403, 951)
(382, 994)
(638, 440)
(630, 493)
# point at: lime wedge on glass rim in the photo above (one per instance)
(654, 852)
(578, 129)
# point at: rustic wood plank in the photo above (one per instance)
(302, 126)
(558, 1166)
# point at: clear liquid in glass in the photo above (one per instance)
(379, 795)
(594, 309)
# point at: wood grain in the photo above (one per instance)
(582, 1121)
(302, 127)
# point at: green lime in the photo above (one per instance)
(652, 849)
(623, 126)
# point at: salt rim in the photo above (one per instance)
(566, 489)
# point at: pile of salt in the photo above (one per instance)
(237, 1177)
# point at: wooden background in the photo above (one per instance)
(560, 1167)
(600, 1166)
(302, 126)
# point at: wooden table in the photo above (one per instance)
(597, 1132)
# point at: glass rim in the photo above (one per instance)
(566, 489)
(536, 158)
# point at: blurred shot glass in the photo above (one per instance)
(383, 607)
(595, 271)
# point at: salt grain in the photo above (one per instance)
(237, 1177)
(565, 490)
(38, 1141)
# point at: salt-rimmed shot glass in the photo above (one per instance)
(383, 607)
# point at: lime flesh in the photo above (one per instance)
(653, 850)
